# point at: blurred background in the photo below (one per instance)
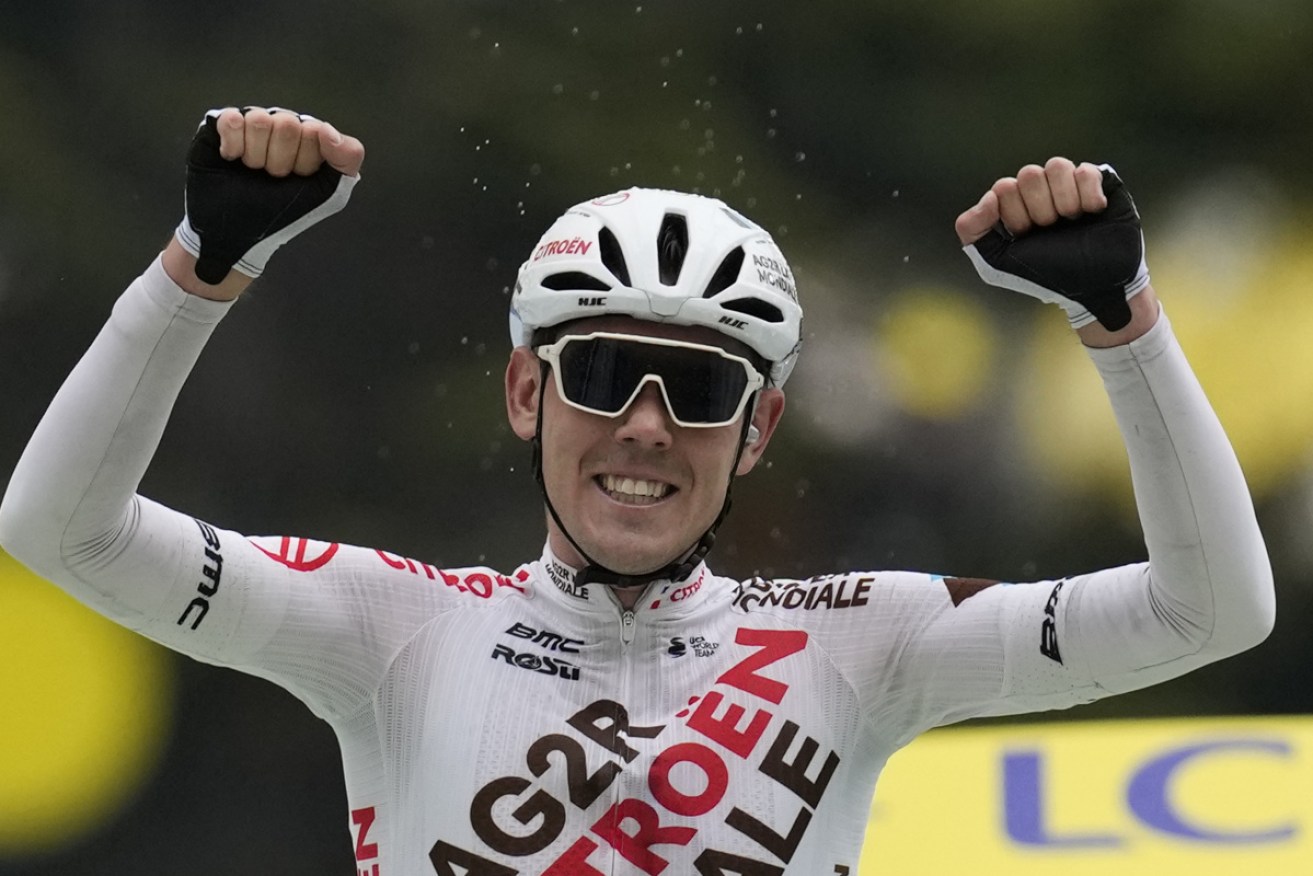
(355, 394)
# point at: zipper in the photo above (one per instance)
(628, 625)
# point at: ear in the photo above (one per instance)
(765, 417)
(523, 377)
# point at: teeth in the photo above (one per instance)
(632, 487)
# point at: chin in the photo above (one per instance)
(636, 559)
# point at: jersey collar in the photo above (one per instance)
(661, 595)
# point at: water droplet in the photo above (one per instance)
(709, 134)
(798, 197)
(594, 94)
(665, 60)
(679, 53)
(906, 259)
(683, 124)
(711, 80)
(759, 27)
(412, 348)
(638, 9)
(738, 159)
(896, 193)
(738, 31)
(558, 88)
(574, 31)
(774, 113)
(475, 33)
(535, 169)
(800, 156)
(770, 133)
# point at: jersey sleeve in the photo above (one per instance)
(321, 619)
(936, 650)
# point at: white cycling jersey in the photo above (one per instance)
(507, 723)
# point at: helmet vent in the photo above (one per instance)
(569, 281)
(612, 256)
(726, 274)
(762, 310)
(672, 247)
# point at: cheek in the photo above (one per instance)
(715, 458)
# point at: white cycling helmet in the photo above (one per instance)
(666, 257)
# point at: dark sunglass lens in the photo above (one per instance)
(588, 372)
(704, 387)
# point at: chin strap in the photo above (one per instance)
(676, 570)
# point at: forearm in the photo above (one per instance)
(1209, 578)
(74, 484)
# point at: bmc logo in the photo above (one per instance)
(1148, 796)
(544, 638)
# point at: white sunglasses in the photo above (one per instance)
(603, 372)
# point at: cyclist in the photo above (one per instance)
(615, 706)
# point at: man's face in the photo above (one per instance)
(635, 491)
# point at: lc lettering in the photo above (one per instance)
(1147, 798)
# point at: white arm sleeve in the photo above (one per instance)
(325, 630)
(1207, 591)
(70, 491)
(969, 649)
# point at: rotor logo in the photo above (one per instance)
(544, 665)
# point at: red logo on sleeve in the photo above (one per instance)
(301, 554)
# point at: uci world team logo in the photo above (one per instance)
(699, 646)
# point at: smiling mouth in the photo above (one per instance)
(633, 491)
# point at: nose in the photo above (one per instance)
(646, 422)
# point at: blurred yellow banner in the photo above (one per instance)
(1187, 796)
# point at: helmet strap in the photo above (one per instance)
(676, 570)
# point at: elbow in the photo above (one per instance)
(1249, 622)
(20, 536)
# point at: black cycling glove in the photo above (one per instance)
(236, 217)
(1090, 266)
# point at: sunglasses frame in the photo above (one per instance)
(551, 353)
